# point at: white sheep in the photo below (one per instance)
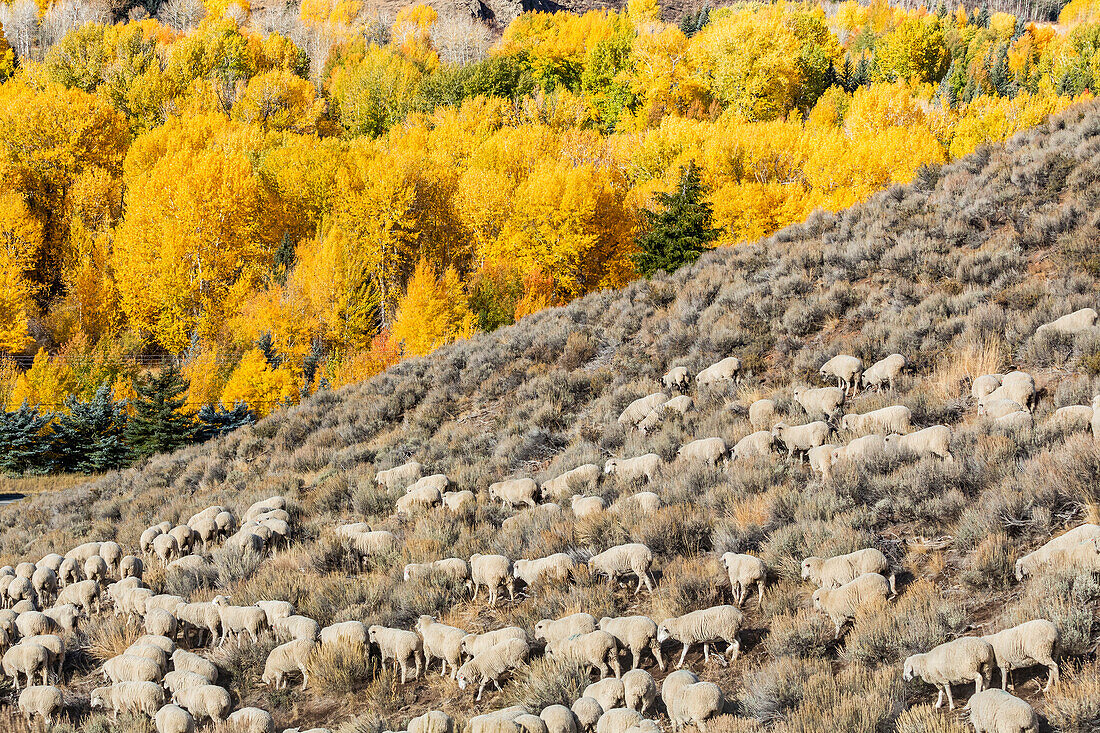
(433, 721)
(441, 642)
(1026, 645)
(159, 622)
(82, 552)
(998, 408)
(709, 451)
(820, 459)
(639, 690)
(34, 623)
(437, 481)
(585, 476)
(131, 567)
(706, 626)
(549, 631)
(960, 660)
(166, 547)
(597, 649)
(45, 584)
(251, 720)
(586, 506)
(825, 401)
(893, 419)
(884, 371)
(636, 411)
(632, 557)
(559, 719)
(984, 385)
(367, 544)
(762, 413)
(608, 692)
(1016, 421)
(202, 619)
(185, 661)
(492, 664)
(636, 633)
(131, 668)
(515, 492)
(400, 476)
(296, 627)
(185, 537)
(66, 616)
(726, 370)
(1073, 417)
(160, 642)
(205, 701)
(145, 698)
(418, 499)
(645, 502)
(633, 469)
(454, 568)
(587, 711)
(690, 701)
(758, 444)
(834, 572)
(174, 719)
(745, 571)
(44, 701)
(348, 633)
(69, 572)
(996, 711)
(1016, 386)
(845, 369)
(238, 620)
(931, 441)
(676, 378)
(399, 645)
(1031, 562)
(841, 604)
(1070, 324)
(554, 568)
(859, 450)
(457, 501)
(206, 531)
(618, 720)
(474, 644)
(491, 571)
(178, 680)
(275, 610)
(801, 438)
(287, 659)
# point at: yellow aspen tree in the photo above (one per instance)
(47, 383)
(433, 312)
(260, 385)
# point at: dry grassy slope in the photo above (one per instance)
(954, 271)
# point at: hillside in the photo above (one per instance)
(955, 271)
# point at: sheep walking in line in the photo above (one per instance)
(403, 647)
(801, 439)
(491, 571)
(962, 660)
(636, 633)
(824, 402)
(931, 441)
(676, 378)
(622, 559)
(706, 626)
(1029, 644)
(1070, 324)
(845, 369)
(835, 571)
(841, 604)
(745, 571)
(491, 665)
(885, 371)
(690, 701)
(726, 370)
(893, 419)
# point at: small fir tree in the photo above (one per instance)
(680, 231)
(90, 438)
(159, 423)
(23, 440)
(215, 421)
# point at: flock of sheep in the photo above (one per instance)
(163, 676)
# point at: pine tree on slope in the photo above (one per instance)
(158, 425)
(90, 438)
(681, 231)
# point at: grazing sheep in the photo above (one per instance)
(884, 371)
(680, 405)
(745, 571)
(437, 481)
(762, 413)
(185, 538)
(1073, 417)
(159, 622)
(131, 668)
(81, 553)
(893, 419)
(554, 568)
(66, 617)
(185, 661)
(348, 633)
(636, 633)
(845, 369)
(400, 476)
(492, 664)
(201, 618)
(474, 644)
(825, 401)
(275, 610)
(27, 660)
(399, 645)
(999, 408)
(34, 623)
(1070, 324)
(54, 646)
(996, 711)
(296, 627)
(131, 567)
(645, 502)
(618, 720)
(727, 370)
(515, 492)
(709, 451)
(559, 719)
(841, 604)
(587, 711)
(45, 701)
(931, 441)
(585, 476)
(633, 557)
(44, 582)
(369, 543)
(210, 511)
(1026, 645)
(166, 548)
(820, 459)
(636, 411)
(259, 508)
(1031, 562)
(205, 701)
(418, 499)
(205, 531)
(69, 572)
(530, 723)
(690, 701)
(441, 642)
(251, 720)
(457, 501)
(801, 438)
(492, 571)
(706, 626)
(585, 506)
(178, 680)
(174, 719)
(597, 649)
(145, 698)
(633, 469)
(549, 631)
(1016, 386)
(287, 659)
(753, 445)
(1016, 421)
(835, 571)
(609, 693)
(676, 378)
(163, 643)
(961, 660)
(433, 721)
(984, 385)
(640, 691)
(22, 589)
(859, 450)
(237, 620)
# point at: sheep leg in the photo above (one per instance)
(979, 683)
(636, 656)
(305, 675)
(656, 649)
(939, 698)
(480, 689)
(684, 655)
(760, 590)
(950, 697)
(1004, 677)
(1052, 679)
(706, 652)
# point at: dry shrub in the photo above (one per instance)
(1068, 600)
(805, 633)
(1074, 705)
(918, 621)
(547, 681)
(965, 362)
(855, 700)
(772, 691)
(110, 637)
(688, 584)
(926, 719)
(992, 565)
(731, 724)
(339, 668)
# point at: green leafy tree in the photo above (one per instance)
(681, 231)
(90, 438)
(23, 440)
(159, 423)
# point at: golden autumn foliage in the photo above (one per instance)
(432, 312)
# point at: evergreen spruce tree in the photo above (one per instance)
(90, 438)
(309, 366)
(266, 344)
(680, 232)
(215, 422)
(158, 425)
(23, 440)
(284, 259)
